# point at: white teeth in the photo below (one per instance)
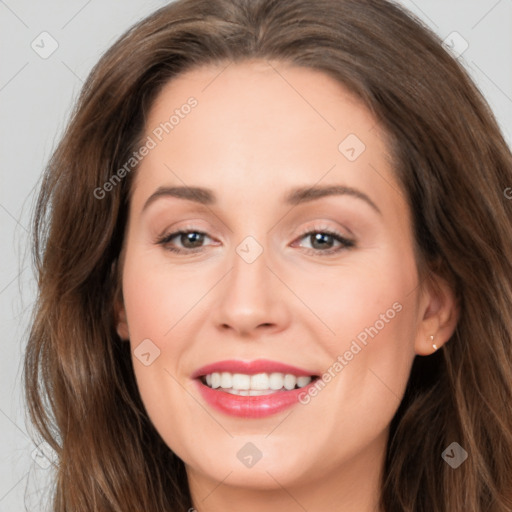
(258, 392)
(254, 385)
(215, 380)
(241, 381)
(303, 381)
(226, 380)
(276, 380)
(249, 392)
(260, 381)
(290, 381)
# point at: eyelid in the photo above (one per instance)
(346, 241)
(321, 226)
(167, 236)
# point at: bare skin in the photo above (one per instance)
(258, 131)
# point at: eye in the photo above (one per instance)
(322, 241)
(191, 241)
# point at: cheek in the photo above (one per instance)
(371, 310)
(157, 297)
(370, 358)
(369, 299)
(163, 307)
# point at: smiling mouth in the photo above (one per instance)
(255, 385)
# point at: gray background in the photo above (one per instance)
(36, 95)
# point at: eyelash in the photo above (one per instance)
(346, 243)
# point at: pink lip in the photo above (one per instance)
(250, 406)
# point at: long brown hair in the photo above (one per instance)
(454, 167)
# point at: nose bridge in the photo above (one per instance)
(249, 279)
(250, 296)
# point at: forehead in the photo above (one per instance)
(267, 97)
(262, 125)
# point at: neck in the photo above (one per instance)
(352, 486)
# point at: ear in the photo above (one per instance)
(121, 321)
(438, 314)
(120, 318)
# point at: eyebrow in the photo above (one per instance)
(294, 197)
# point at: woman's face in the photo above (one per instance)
(299, 258)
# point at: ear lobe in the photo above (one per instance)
(440, 312)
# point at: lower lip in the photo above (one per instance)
(251, 406)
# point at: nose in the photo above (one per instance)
(252, 299)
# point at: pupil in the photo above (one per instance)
(318, 237)
(189, 237)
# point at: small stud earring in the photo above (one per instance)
(433, 344)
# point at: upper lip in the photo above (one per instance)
(251, 368)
